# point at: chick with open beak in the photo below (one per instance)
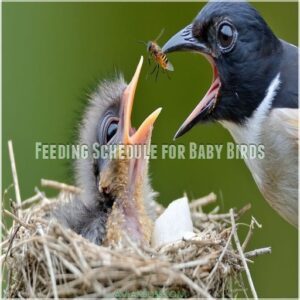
(124, 176)
(117, 197)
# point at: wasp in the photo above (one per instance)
(158, 56)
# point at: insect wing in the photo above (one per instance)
(169, 67)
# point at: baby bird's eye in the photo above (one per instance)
(111, 130)
(107, 129)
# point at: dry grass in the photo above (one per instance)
(42, 259)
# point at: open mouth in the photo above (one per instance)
(131, 136)
(184, 40)
(126, 171)
(206, 105)
(135, 137)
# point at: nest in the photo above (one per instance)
(41, 259)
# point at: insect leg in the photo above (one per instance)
(168, 75)
(157, 72)
(160, 34)
(150, 73)
(155, 67)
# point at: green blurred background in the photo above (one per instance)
(54, 53)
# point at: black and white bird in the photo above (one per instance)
(116, 198)
(254, 93)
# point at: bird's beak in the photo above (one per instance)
(143, 133)
(185, 41)
(130, 136)
(125, 178)
(131, 168)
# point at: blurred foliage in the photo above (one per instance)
(54, 53)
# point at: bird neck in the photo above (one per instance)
(128, 215)
(128, 220)
(244, 88)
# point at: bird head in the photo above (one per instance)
(117, 183)
(243, 53)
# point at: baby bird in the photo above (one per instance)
(116, 198)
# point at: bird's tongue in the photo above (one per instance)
(205, 106)
(208, 100)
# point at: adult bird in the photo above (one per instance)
(116, 194)
(254, 93)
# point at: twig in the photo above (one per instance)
(50, 267)
(215, 210)
(70, 266)
(29, 201)
(81, 257)
(191, 264)
(133, 245)
(243, 210)
(60, 186)
(173, 247)
(8, 213)
(6, 192)
(195, 286)
(257, 252)
(210, 217)
(248, 236)
(37, 191)
(240, 250)
(209, 278)
(11, 241)
(210, 198)
(14, 172)
(250, 232)
(40, 220)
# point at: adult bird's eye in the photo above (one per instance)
(226, 36)
(111, 130)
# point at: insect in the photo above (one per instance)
(158, 56)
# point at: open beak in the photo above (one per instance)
(185, 41)
(133, 166)
(143, 134)
(124, 178)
